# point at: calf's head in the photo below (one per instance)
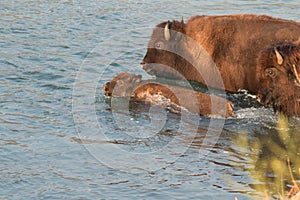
(278, 73)
(122, 85)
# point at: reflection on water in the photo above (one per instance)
(44, 44)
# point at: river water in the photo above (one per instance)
(59, 138)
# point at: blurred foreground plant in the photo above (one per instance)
(274, 160)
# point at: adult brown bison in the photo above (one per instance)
(232, 42)
(278, 75)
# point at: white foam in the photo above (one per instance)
(157, 99)
(254, 113)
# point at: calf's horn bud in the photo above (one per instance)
(279, 57)
(167, 32)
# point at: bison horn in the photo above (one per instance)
(298, 41)
(279, 57)
(296, 75)
(167, 32)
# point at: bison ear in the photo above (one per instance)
(296, 74)
(167, 31)
(278, 56)
(138, 78)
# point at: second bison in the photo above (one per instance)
(278, 75)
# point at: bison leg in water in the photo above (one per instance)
(171, 97)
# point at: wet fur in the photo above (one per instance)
(130, 85)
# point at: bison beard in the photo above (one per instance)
(278, 75)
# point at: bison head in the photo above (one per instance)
(122, 85)
(163, 57)
(279, 79)
(173, 54)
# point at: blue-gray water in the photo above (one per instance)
(55, 57)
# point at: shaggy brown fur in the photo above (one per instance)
(233, 42)
(171, 97)
(278, 76)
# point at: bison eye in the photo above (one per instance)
(271, 72)
(158, 45)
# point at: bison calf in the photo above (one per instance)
(171, 97)
(279, 78)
